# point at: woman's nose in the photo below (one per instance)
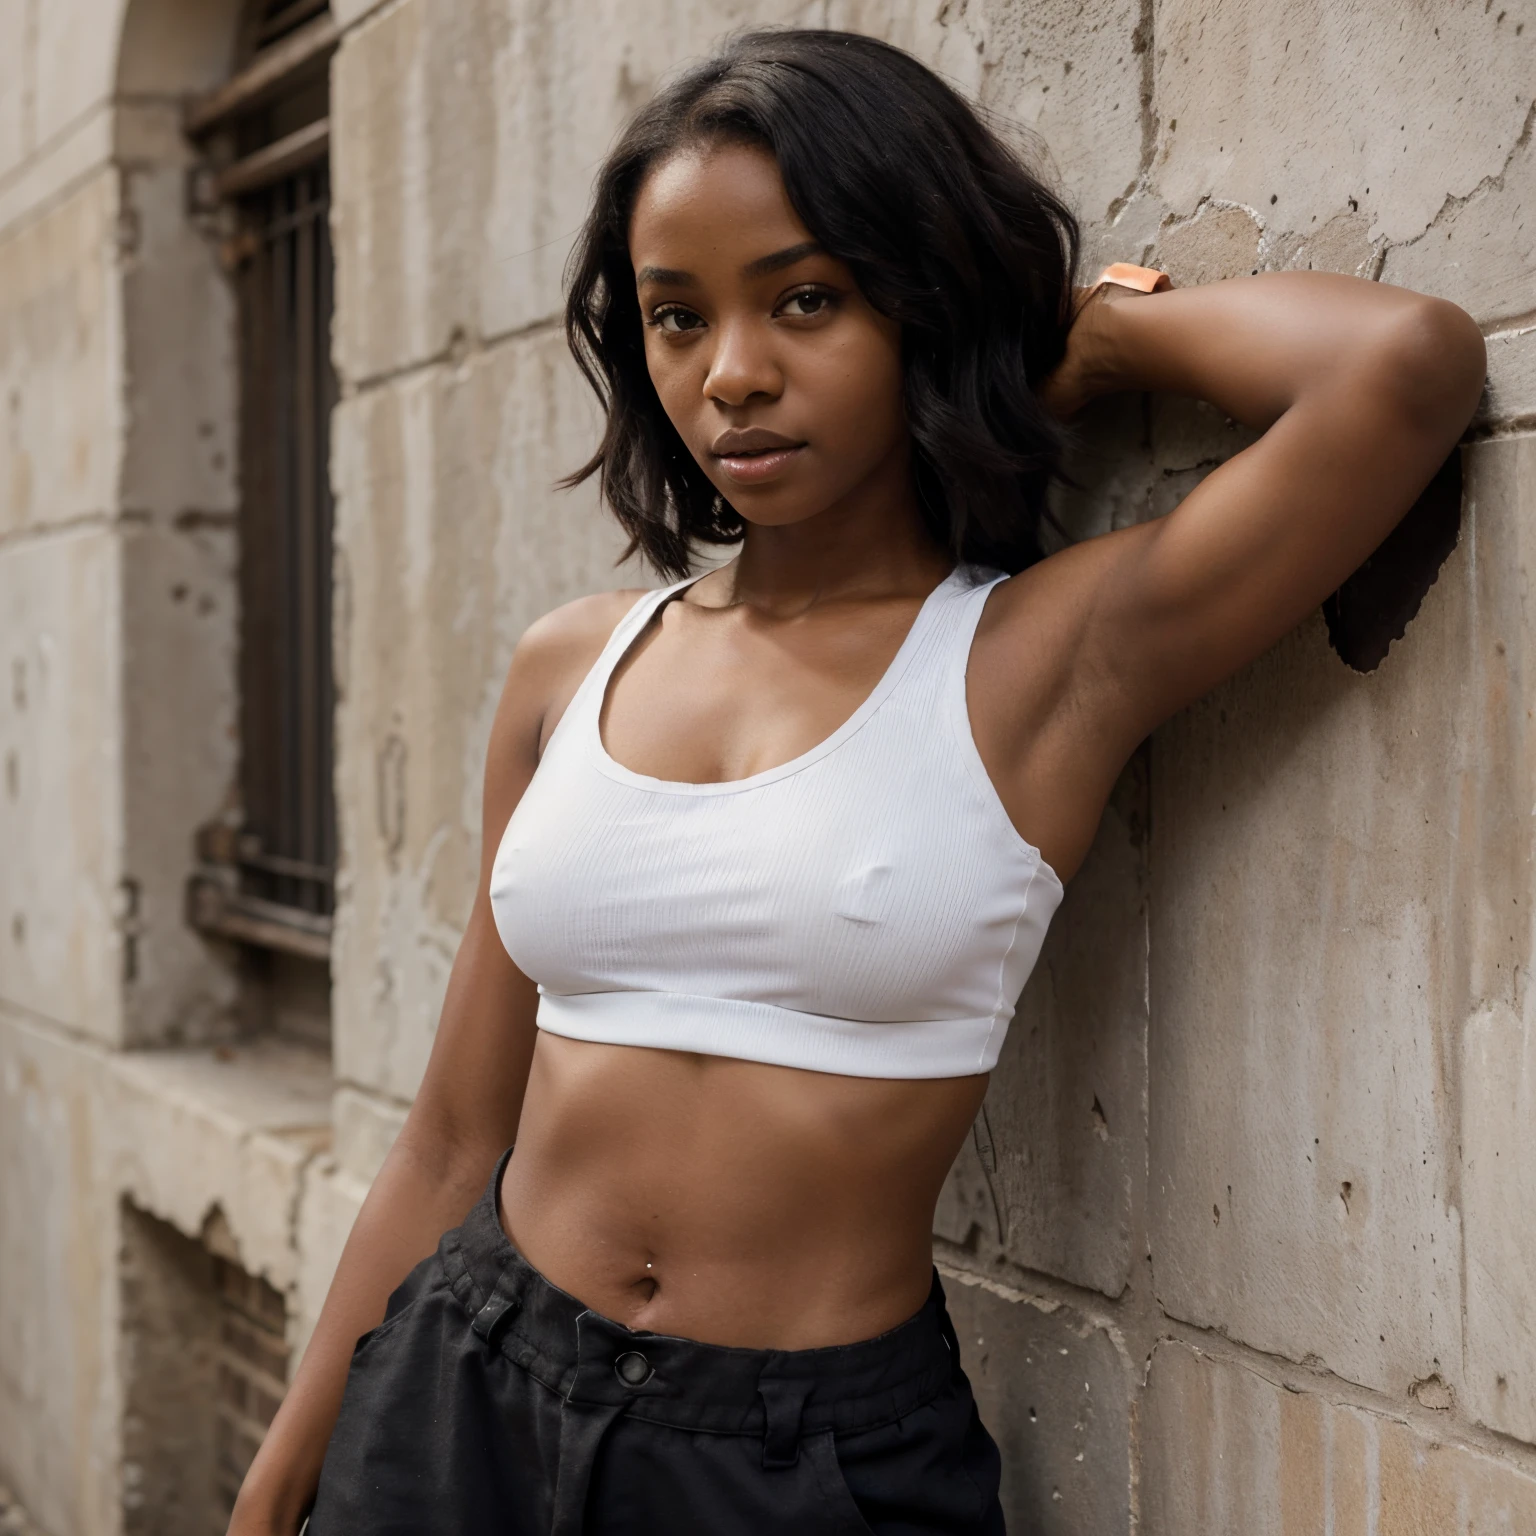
(743, 364)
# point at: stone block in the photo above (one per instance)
(178, 623)
(450, 542)
(1219, 240)
(58, 1418)
(1303, 113)
(56, 170)
(1511, 392)
(414, 115)
(1228, 1452)
(178, 317)
(75, 60)
(1066, 1109)
(1055, 1392)
(349, 12)
(61, 442)
(1498, 1109)
(16, 66)
(169, 48)
(65, 917)
(1341, 244)
(1480, 250)
(215, 1142)
(1072, 78)
(1336, 858)
(466, 142)
(366, 1128)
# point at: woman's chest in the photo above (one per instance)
(712, 698)
(819, 887)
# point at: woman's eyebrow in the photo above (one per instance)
(776, 261)
(781, 259)
(672, 277)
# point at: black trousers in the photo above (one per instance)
(491, 1403)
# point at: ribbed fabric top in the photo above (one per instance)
(866, 908)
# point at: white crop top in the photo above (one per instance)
(866, 908)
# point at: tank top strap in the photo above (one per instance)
(962, 616)
(588, 698)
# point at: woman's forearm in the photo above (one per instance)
(414, 1200)
(1254, 346)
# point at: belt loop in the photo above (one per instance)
(491, 1320)
(783, 1402)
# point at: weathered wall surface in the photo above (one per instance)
(1255, 1251)
(117, 490)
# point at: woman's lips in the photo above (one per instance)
(754, 468)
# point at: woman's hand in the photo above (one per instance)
(1087, 371)
(247, 1521)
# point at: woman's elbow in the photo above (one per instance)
(1434, 362)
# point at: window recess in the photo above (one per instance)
(266, 875)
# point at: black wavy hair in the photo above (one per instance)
(945, 230)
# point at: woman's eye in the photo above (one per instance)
(676, 321)
(804, 305)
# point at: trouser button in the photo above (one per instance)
(634, 1370)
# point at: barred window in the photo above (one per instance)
(266, 874)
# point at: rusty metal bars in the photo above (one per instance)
(286, 536)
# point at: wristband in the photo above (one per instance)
(1143, 279)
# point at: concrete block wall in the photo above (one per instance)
(117, 622)
(1252, 1250)
(1203, 1023)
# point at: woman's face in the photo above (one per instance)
(782, 380)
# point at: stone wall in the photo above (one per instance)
(1253, 1250)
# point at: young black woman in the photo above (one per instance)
(768, 854)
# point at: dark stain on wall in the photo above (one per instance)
(1376, 605)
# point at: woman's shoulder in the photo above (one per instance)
(578, 627)
(548, 664)
(558, 650)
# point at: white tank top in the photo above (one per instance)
(866, 908)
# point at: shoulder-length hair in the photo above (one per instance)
(945, 230)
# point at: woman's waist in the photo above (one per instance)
(663, 1373)
(731, 1201)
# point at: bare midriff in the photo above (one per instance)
(728, 1201)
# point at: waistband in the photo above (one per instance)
(590, 1359)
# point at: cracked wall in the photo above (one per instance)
(1246, 1246)
(1235, 1104)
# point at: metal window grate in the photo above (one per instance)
(269, 882)
(287, 688)
(281, 17)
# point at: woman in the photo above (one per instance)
(779, 845)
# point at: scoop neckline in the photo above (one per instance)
(614, 769)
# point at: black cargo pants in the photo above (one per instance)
(491, 1403)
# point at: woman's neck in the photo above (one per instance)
(846, 552)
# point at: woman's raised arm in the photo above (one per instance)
(1360, 389)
